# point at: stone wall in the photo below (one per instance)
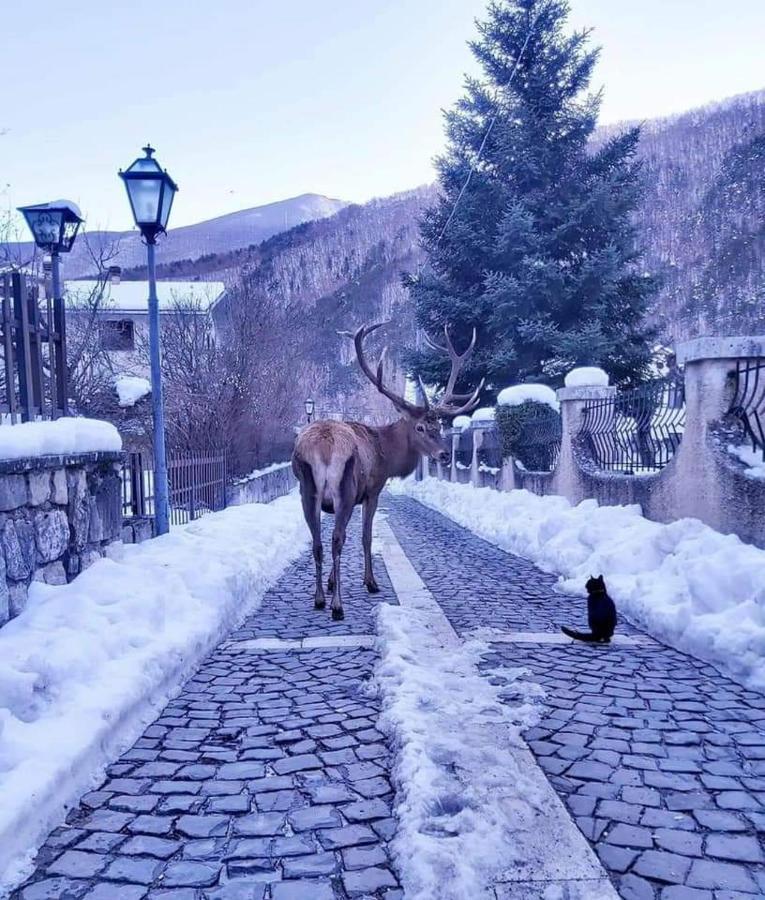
(702, 481)
(57, 515)
(263, 487)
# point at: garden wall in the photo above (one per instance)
(57, 515)
(263, 486)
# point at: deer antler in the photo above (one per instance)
(452, 404)
(376, 377)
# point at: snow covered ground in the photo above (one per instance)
(697, 589)
(87, 665)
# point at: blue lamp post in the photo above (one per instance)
(151, 191)
(54, 227)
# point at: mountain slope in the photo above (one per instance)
(702, 222)
(225, 233)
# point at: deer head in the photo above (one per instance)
(424, 421)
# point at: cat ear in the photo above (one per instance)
(600, 579)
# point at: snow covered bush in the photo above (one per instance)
(522, 393)
(524, 429)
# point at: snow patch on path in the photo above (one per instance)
(688, 585)
(473, 808)
(86, 666)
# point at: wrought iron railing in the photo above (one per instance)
(635, 431)
(33, 372)
(537, 445)
(197, 485)
(748, 404)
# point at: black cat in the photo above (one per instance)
(601, 614)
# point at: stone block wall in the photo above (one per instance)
(57, 515)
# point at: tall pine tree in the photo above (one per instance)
(540, 255)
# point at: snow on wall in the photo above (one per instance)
(87, 665)
(521, 393)
(484, 414)
(586, 376)
(60, 437)
(751, 458)
(697, 589)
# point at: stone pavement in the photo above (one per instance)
(659, 758)
(265, 778)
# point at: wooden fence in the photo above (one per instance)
(33, 346)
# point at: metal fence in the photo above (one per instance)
(33, 347)
(748, 404)
(197, 485)
(636, 431)
(537, 445)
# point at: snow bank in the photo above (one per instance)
(687, 584)
(484, 414)
(86, 665)
(522, 393)
(751, 458)
(586, 376)
(461, 423)
(131, 388)
(57, 438)
(460, 792)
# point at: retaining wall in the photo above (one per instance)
(262, 487)
(57, 515)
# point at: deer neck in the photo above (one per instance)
(401, 457)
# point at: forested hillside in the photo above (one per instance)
(703, 218)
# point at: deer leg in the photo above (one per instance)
(312, 513)
(370, 507)
(343, 504)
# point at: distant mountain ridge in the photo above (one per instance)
(223, 233)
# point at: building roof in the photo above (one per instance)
(132, 296)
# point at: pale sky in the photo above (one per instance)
(250, 101)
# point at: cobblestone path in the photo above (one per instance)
(265, 778)
(659, 758)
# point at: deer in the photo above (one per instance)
(340, 465)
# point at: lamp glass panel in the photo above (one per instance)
(167, 201)
(46, 226)
(144, 195)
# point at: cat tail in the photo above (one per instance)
(578, 635)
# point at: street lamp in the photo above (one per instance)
(54, 227)
(150, 191)
(309, 407)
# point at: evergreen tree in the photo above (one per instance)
(540, 254)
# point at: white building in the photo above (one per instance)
(121, 313)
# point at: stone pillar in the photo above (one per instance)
(567, 480)
(475, 475)
(455, 450)
(700, 485)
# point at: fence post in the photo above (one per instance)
(567, 480)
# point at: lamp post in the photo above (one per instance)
(309, 407)
(54, 227)
(150, 191)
